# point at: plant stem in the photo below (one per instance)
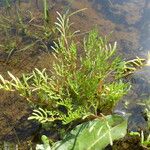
(45, 10)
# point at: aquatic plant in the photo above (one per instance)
(45, 10)
(77, 85)
(95, 134)
(14, 29)
(144, 141)
(7, 4)
(128, 67)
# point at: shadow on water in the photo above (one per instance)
(130, 22)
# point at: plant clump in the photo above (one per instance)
(77, 86)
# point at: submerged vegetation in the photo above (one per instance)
(23, 31)
(80, 91)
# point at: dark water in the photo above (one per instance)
(129, 22)
(132, 15)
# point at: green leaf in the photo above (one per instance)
(95, 134)
(45, 145)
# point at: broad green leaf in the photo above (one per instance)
(94, 135)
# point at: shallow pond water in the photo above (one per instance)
(128, 21)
